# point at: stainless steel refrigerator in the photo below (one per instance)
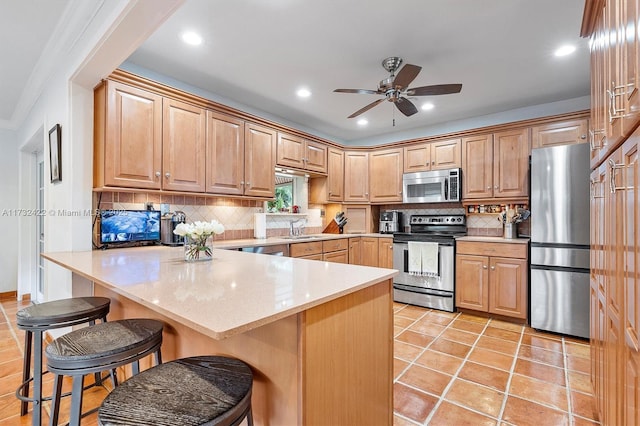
(559, 299)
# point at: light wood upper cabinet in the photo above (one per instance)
(359, 218)
(433, 156)
(225, 154)
(511, 163)
(561, 133)
(127, 137)
(294, 151)
(183, 147)
(356, 176)
(329, 188)
(385, 176)
(477, 167)
(259, 160)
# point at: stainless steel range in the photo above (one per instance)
(435, 292)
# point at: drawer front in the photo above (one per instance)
(305, 249)
(335, 245)
(341, 256)
(518, 251)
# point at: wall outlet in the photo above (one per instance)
(321, 212)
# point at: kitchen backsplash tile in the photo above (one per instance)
(235, 214)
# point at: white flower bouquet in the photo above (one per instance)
(196, 235)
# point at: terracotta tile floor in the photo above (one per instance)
(449, 369)
(459, 369)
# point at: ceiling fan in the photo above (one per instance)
(395, 90)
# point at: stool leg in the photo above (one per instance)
(114, 378)
(250, 417)
(37, 379)
(76, 400)
(26, 370)
(55, 400)
(96, 376)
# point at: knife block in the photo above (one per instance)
(332, 228)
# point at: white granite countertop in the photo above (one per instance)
(254, 242)
(493, 239)
(233, 293)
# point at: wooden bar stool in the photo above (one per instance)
(38, 318)
(102, 347)
(203, 390)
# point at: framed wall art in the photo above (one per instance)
(55, 153)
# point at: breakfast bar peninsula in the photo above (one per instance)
(318, 335)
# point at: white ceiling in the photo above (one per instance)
(257, 53)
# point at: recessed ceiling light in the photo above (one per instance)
(565, 50)
(191, 38)
(427, 106)
(363, 122)
(303, 93)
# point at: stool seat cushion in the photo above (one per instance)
(102, 341)
(62, 311)
(188, 391)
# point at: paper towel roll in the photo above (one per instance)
(260, 225)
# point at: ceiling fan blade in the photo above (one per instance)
(406, 75)
(361, 91)
(406, 106)
(436, 89)
(366, 108)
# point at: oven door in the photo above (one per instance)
(424, 189)
(443, 282)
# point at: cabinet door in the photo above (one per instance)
(335, 174)
(511, 163)
(355, 251)
(259, 161)
(562, 133)
(369, 251)
(599, 97)
(417, 158)
(358, 219)
(631, 68)
(315, 157)
(183, 147)
(446, 154)
(508, 287)
(290, 151)
(472, 282)
(133, 138)
(477, 167)
(225, 154)
(385, 176)
(385, 252)
(356, 176)
(615, 86)
(341, 256)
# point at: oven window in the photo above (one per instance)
(427, 189)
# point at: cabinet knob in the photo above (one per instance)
(167, 175)
(493, 268)
(495, 187)
(433, 163)
(583, 137)
(391, 247)
(484, 266)
(488, 187)
(248, 183)
(158, 174)
(241, 182)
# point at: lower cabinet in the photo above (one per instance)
(329, 250)
(492, 277)
(385, 253)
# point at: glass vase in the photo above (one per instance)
(198, 249)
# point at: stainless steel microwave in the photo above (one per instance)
(437, 186)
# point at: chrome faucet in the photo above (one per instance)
(296, 231)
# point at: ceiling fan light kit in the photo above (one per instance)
(395, 88)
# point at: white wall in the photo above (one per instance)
(8, 214)
(95, 38)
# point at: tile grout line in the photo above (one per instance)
(511, 373)
(455, 375)
(566, 379)
(11, 330)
